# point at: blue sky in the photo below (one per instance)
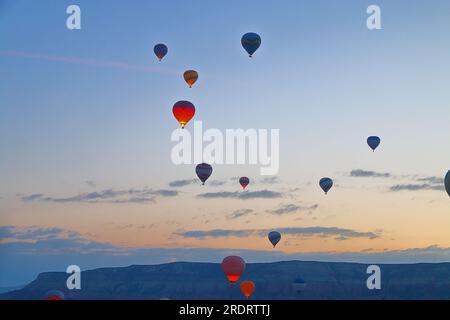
(85, 116)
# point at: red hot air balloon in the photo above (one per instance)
(247, 288)
(233, 267)
(54, 295)
(244, 181)
(183, 112)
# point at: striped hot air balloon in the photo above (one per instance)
(190, 77)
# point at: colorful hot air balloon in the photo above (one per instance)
(183, 112)
(244, 181)
(373, 142)
(251, 42)
(160, 50)
(54, 295)
(190, 77)
(247, 288)
(233, 267)
(274, 237)
(326, 184)
(447, 182)
(203, 171)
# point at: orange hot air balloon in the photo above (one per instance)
(183, 112)
(233, 267)
(247, 288)
(190, 77)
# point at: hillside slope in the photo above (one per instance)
(185, 280)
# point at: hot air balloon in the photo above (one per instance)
(274, 237)
(326, 184)
(373, 142)
(244, 181)
(203, 171)
(183, 112)
(160, 50)
(190, 77)
(251, 42)
(233, 267)
(247, 288)
(54, 295)
(447, 183)
(299, 285)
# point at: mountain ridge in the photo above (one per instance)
(274, 280)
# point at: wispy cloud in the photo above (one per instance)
(416, 187)
(91, 183)
(216, 183)
(143, 195)
(432, 180)
(110, 64)
(246, 195)
(367, 173)
(418, 183)
(240, 213)
(187, 182)
(182, 183)
(292, 208)
(56, 247)
(34, 234)
(339, 233)
(270, 180)
(87, 61)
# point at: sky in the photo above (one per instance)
(86, 175)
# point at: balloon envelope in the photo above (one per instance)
(160, 50)
(247, 288)
(299, 285)
(447, 183)
(251, 42)
(54, 295)
(190, 77)
(274, 237)
(373, 142)
(183, 112)
(326, 184)
(233, 267)
(244, 181)
(203, 171)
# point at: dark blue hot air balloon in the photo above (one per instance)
(251, 42)
(274, 237)
(299, 285)
(326, 184)
(373, 142)
(160, 50)
(447, 182)
(203, 171)
(244, 181)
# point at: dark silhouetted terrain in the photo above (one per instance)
(183, 280)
